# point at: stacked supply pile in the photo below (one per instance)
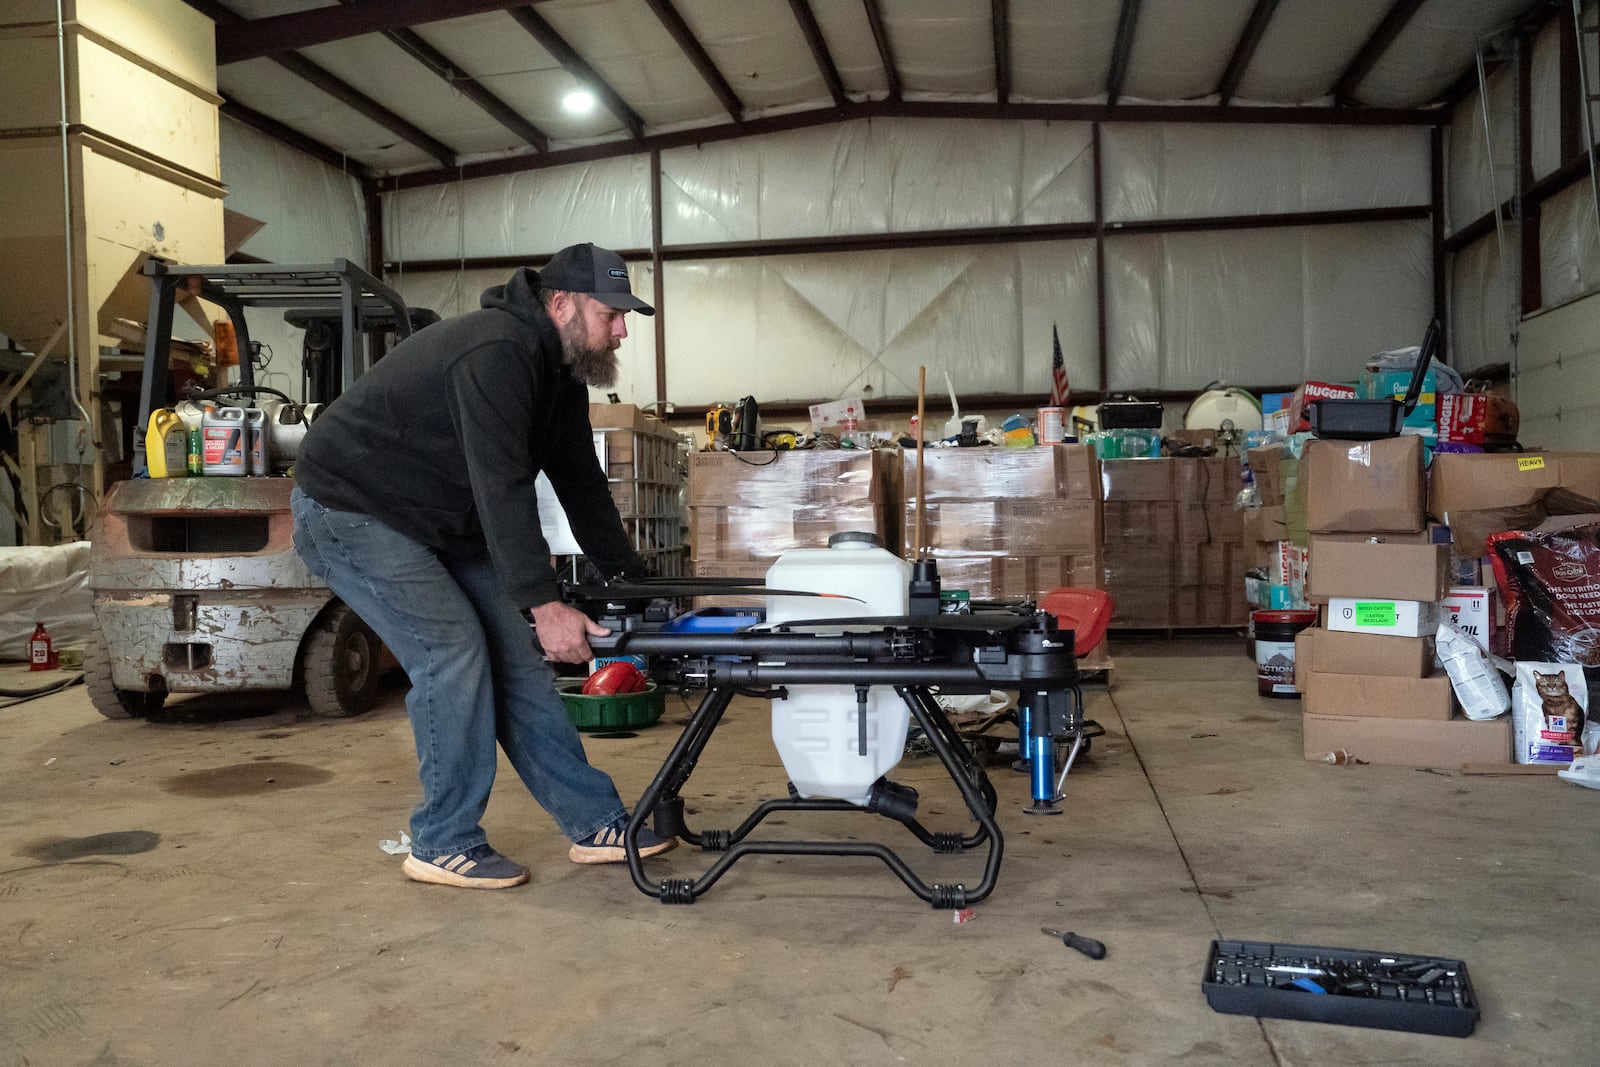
(1525, 531)
(1006, 523)
(1174, 542)
(1370, 684)
(643, 466)
(1275, 531)
(748, 508)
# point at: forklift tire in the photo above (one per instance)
(340, 664)
(107, 699)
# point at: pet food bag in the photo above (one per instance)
(1550, 579)
(1549, 709)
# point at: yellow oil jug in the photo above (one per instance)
(166, 445)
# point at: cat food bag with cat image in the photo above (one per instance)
(1549, 710)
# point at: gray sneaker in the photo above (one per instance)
(605, 844)
(480, 867)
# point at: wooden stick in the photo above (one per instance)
(922, 392)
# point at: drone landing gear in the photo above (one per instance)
(887, 798)
(1041, 727)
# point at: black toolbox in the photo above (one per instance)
(1387, 990)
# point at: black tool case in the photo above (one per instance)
(1376, 419)
(1386, 990)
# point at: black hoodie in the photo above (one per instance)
(444, 437)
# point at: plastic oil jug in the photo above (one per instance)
(817, 727)
(223, 444)
(256, 420)
(166, 444)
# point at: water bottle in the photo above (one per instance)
(1477, 684)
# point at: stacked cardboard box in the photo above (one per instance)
(1368, 676)
(1006, 522)
(1174, 542)
(1274, 533)
(747, 509)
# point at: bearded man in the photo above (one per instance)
(415, 501)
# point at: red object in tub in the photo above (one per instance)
(1086, 612)
(615, 678)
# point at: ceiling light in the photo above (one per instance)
(578, 101)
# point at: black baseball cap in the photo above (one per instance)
(595, 272)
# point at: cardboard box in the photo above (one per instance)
(1389, 571)
(1408, 742)
(1375, 696)
(1480, 481)
(1391, 618)
(1008, 527)
(1056, 472)
(1264, 524)
(1302, 397)
(1338, 652)
(802, 478)
(1139, 479)
(1266, 464)
(1364, 486)
(1472, 609)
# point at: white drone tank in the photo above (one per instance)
(816, 729)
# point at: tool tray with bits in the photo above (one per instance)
(1391, 991)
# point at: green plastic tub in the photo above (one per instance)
(621, 711)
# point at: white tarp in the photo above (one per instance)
(48, 584)
(1256, 306)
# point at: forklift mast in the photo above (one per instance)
(326, 299)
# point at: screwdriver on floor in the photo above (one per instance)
(1086, 945)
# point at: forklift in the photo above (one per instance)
(196, 585)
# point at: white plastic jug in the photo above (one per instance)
(816, 728)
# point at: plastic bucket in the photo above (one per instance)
(1275, 633)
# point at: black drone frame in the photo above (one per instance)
(956, 654)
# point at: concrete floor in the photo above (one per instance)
(210, 890)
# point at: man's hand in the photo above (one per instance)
(564, 632)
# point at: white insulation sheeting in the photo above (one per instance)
(1569, 249)
(1176, 171)
(314, 214)
(1266, 306)
(883, 176)
(1481, 172)
(862, 324)
(530, 213)
(1482, 318)
(1254, 306)
(452, 293)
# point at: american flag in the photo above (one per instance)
(1059, 391)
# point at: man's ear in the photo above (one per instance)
(561, 306)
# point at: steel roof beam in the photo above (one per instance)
(458, 79)
(353, 98)
(1245, 50)
(880, 34)
(574, 64)
(1000, 16)
(295, 139)
(1127, 21)
(697, 54)
(1344, 89)
(819, 50)
(254, 38)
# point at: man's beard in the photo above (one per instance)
(592, 366)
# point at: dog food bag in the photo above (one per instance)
(1549, 709)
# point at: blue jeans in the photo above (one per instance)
(475, 678)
